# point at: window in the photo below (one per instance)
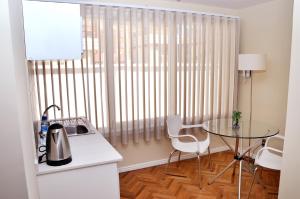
(139, 66)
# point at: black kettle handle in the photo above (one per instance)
(41, 157)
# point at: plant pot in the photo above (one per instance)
(235, 124)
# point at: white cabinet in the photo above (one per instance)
(52, 30)
(96, 182)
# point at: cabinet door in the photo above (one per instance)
(52, 30)
(94, 182)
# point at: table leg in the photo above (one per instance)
(249, 153)
(228, 145)
(223, 171)
(236, 154)
(238, 157)
(240, 180)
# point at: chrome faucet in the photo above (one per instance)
(44, 129)
(53, 105)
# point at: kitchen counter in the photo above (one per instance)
(92, 174)
(87, 150)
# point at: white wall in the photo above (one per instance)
(267, 28)
(17, 171)
(290, 174)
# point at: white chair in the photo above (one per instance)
(267, 157)
(175, 125)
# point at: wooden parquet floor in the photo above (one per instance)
(153, 182)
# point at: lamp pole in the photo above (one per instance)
(249, 63)
(250, 112)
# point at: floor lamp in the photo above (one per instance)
(249, 63)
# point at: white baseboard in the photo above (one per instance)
(165, 160)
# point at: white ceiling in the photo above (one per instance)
(233, 4)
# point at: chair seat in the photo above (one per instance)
(191, 147)
(269, 160)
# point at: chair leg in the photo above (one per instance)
(252, 182)
(209, 156)
(170, 156)
(199, 171)
(179, 155)
(169, 161)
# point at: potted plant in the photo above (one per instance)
(236, 116)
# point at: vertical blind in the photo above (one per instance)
(140, 65)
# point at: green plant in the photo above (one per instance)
(236, 116)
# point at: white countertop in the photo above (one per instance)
(87, 150)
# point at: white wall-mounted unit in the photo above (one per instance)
(52, 30)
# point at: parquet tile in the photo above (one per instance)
(153, 183)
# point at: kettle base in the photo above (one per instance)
(59, 162)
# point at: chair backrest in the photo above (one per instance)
(174, 123)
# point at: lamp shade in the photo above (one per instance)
(251, 62)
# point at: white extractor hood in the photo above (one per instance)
(52, 30)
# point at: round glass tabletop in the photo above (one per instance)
(247, 129)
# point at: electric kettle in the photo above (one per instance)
(58, 150)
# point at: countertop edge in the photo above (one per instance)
(79, 166)
(114, 157)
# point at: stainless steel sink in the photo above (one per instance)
(76, 126)
(72, 130)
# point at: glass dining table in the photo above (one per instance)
(253, 131)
